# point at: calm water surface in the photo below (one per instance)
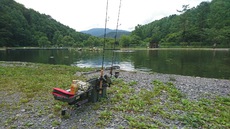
(203, 63)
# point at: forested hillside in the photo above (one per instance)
(208, 24)
(26, 27)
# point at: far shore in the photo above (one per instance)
(217, 49)
(176, 48)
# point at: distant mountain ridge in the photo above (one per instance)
(99, 32)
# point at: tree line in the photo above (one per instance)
(206, 25)
(21, 27)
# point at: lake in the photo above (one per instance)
(202, 63)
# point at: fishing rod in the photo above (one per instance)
(103, 53)
(89, 91)
(115, 38)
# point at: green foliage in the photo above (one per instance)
(43, 42)
(29, 79)
(68, 41)
(57, 107)
(139, 122)
(94, 41)
(132, 83)
(56, 123)
(106, 115)
(202, 26)
(25, 27)
(168, 103)
(125, 41)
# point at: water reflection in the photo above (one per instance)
(52, 60)
(128, 66)
(204, 63)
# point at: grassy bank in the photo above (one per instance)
(27, 87)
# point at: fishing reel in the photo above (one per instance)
(107, 81)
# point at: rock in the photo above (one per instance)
(23, 110)
(18, 115)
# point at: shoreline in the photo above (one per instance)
(184, 83)
(13, 63)
(185, 48)
(123, 49)
(34, 48)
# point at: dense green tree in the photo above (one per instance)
(59, 41)
(138, 31)
(44, 42)
(184, 21)
(125, 41)
(136, 40)
(68, 41)
(55, 37)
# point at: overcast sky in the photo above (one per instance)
(86, 14)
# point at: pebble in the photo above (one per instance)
(23, 110)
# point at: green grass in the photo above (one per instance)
(166, 102)
(29, 82)
(22, 84)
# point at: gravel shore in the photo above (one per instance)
(194, 89)
(86, 116)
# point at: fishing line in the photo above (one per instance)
(106, 19)
(115, 37)
(103, 53)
